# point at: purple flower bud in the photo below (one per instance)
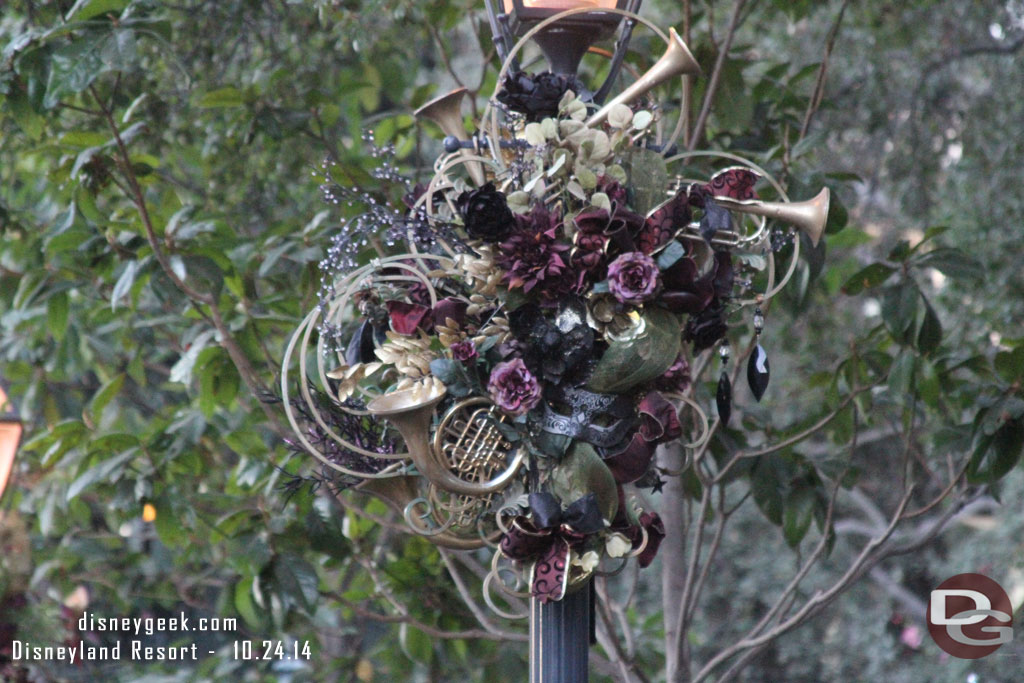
(464, 351)
(513, 388)
(634, 278)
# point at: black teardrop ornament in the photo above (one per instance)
(757, 372)
(723, 398)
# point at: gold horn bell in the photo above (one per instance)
(676, 61)
(446, 112)
(809, 216)
(478, 446)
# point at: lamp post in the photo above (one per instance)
(10, 437)
(503, 449)
(566, 41)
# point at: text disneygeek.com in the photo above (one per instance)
(134, 649)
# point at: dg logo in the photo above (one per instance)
(970, 616)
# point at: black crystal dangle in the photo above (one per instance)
(723, 397)
(757, 364)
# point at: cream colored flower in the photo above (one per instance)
(587, 561)
(617, 545)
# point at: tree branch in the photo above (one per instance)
(716, 75)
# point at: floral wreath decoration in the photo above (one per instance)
(529, 339)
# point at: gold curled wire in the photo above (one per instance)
(300, 341)
(495, 574)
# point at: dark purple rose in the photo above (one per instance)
(485, 213)
(513, 388)
(464, 351)
(633, 278)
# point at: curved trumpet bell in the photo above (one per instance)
(676, 61)
(808, 216)
(446, 112)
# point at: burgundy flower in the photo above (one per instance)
(633, 278)
(676, 378)
(588, 257)
(611, 187)
(513, 388)
(406, 317)
(532, 256)
(464, 351)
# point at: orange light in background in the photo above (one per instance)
(10, 437)
(148, 512)
(562, 4)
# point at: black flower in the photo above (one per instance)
(485, 213)
(536, 97)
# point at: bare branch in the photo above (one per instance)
(716, 75)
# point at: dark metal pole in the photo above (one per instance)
(560, 638)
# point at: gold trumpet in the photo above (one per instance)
(676, 61)
(446, 112)
(808, 216)
(410, 411)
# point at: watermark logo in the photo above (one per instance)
(970, 616)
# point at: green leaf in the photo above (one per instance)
(83, 10)
(767, 489)
(416, 644)
(73, 68)
(952, 263)
(222, 97)
(583, 471)
(104, 471)
(900, 252)
(838, 216)
(996, 454)
(124, 283)
(799, 512)
(57, 315)
(244, 602)
(626, 364)
(899, 310)
(901, 376)
(930, 335)
(648, 176)
(297, 581)
(103, 396)
(1010, 364)
(867, 278)
(24, 115)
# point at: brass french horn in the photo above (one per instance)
(809, 216)
(410, 411)
(446, 112)
(676, 61)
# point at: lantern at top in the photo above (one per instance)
(565, 41)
